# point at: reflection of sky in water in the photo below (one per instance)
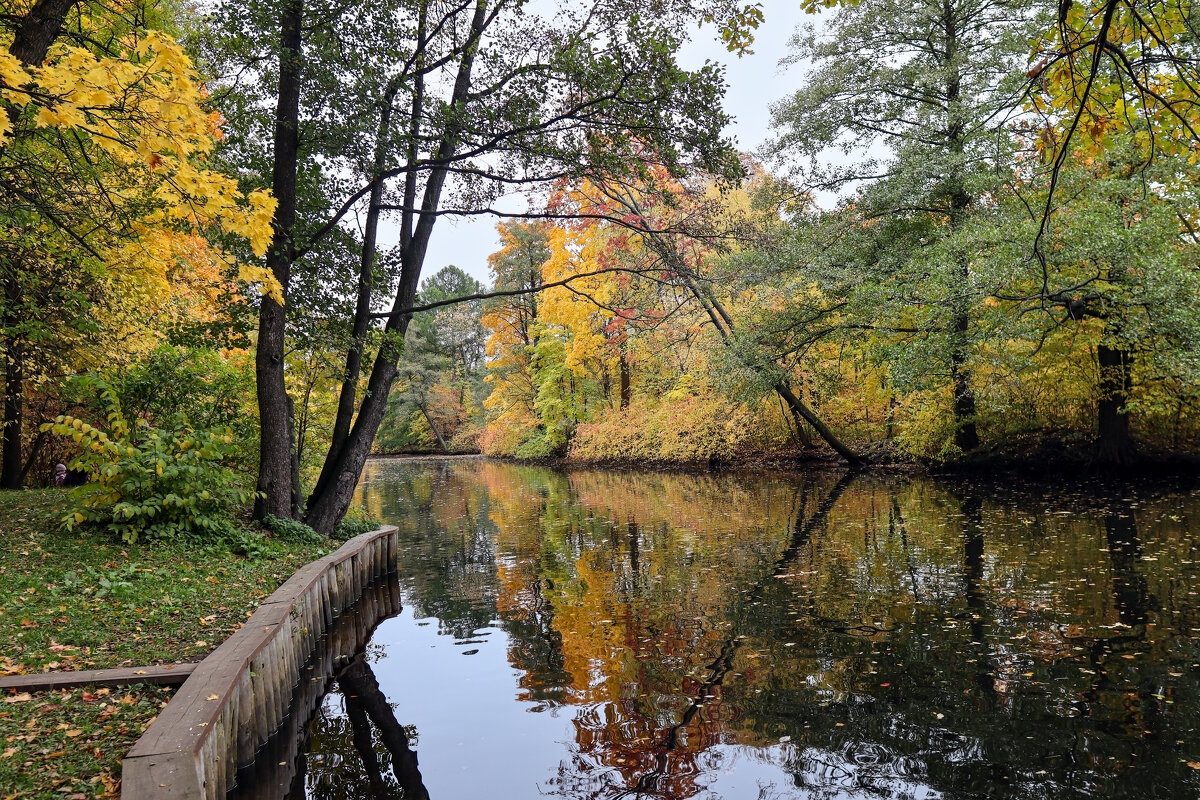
(625, 635)
(471, 733)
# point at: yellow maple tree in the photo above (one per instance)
(112, 150)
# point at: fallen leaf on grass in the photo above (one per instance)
(73, 733)
(23, 697)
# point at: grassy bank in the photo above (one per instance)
(83, 601)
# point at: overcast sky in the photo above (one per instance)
(754, 83)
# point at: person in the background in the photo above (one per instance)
(60, 474)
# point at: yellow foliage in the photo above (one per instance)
(139, 115)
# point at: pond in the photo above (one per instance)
(604, 634)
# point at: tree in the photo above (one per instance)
(104, 147)
(517, 266)
(487, 98)
(916, 95)
(1129, 63)
(1115, 263)
(681, 230)
(443, 358)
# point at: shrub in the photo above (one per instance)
(465, 439)
(355, 523)
(677, 428)
(291, 530)
(147, 481)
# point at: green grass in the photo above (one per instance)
(84, 601)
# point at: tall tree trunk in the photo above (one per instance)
(38, 30)
(14, 383)
(31, 42)
(274, 410)
(297, 491)
(966, 437)
(1114, 443)
(327, 506)
(14, 379)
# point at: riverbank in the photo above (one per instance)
(80, 600)
(1045, 457)
(1046, 461)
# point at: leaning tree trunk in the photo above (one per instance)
(348, 396)
(723, 323)
(433, 427)
(1114, 442)
(274, 411)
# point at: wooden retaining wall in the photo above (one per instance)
(239, 697)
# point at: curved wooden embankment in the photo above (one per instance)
(241, 697)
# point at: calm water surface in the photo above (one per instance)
(595, 634)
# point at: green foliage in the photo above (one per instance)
(115, 582)
(174, 384)
(291, 530)
(355, 523)
(149, 481)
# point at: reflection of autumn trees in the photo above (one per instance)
(901, 635)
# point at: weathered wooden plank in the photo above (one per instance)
(160, 675)
(171, 775)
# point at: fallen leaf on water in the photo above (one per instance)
(1194, 764)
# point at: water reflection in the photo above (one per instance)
(593, 634)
